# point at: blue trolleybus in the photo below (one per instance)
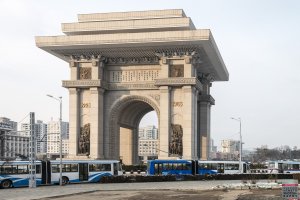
(16, 173)
(167, 167)
(193, 167)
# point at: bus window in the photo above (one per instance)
(295, 166)
(23, 169)
(55, 168)
(99, 167)
(8, 169)
(165, 166)
(74, 167)
(66, 168)
(203, 166)
(214, 166)
(229, 166)
(186, 166)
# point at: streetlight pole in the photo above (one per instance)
(240, 157)
(59, 99)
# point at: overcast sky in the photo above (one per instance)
(258, 40)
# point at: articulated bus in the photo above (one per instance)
(283, 166)
(16, 173)
(168, 167)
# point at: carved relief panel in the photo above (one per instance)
(85, 73)
(176, 70)
(84, 140)
(175, 146)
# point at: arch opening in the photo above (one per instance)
(148, 143)
(124, 130)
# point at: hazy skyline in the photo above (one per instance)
(258, 40)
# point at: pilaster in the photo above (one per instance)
(74, 125)
(188, 122)
(96, 120)
(74, 70)
(164, 123)
(189, 70)
(204, 104)
(97, 68)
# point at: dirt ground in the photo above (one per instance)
(274, 194)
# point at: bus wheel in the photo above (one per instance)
(65, 180)
(6, 184)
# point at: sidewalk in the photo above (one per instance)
(55, 191)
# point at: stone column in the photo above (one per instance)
(96, 121)
(135, 148)
(204, 129)
(164, 123)
(205, 102)
(74, 125)
(195, 137)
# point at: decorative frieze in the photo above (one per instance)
(81, 83)
(130, 86)
(133, 61)
(179, 82)
(86, 57)
(176, 52)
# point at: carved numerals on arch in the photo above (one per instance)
(85, 105)
(177, 104)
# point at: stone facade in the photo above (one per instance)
(124, 65)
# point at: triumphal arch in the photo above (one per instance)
(126, 64)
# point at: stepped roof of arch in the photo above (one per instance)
(136, 34)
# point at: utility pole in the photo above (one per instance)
(241, 147)
(32, 152)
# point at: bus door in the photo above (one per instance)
(83, 171)
(46, 172)
(280, 168)
(220, 168)
(157, 168)
(245, 168)
(115, 168)
(195, 167)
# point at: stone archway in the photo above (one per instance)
(161, 63)
(126, 113)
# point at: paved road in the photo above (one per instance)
(56, 191)
(52, 191)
